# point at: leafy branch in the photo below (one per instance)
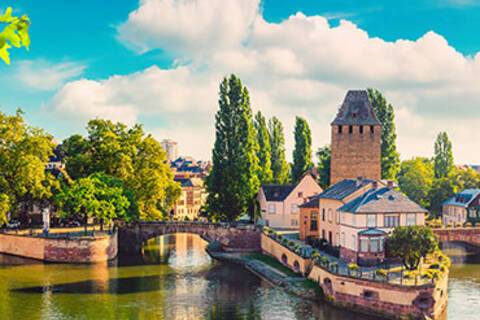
(14, 34)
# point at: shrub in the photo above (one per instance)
(381, 273)
(291, 243)
(353, 266)
(315, 255)
(324, 261)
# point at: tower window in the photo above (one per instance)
(339, 129)
(372, 129)
(361, 129)
(350, 129)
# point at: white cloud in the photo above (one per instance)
(300, 66)
(45, 75)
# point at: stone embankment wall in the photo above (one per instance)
(284, 255)
(65, 250)
(372, 297)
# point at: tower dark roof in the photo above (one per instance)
(356, 109)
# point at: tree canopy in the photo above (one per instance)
(264, 150)
(233, 182)
(302, 154)
(14, 33)
(280, 168)
(411, 244)
(24, 154)
(416, 179)
(390, 158)
(324, 157)
(443, 159)
(130, 155)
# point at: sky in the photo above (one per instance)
(159, 63)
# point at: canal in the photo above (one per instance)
(176, 279)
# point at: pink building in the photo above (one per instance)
(279, 204)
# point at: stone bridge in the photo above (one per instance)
(233, 238)
(465, 235)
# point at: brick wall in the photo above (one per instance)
(355, 154)
(72, 250)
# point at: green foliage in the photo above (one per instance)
(416, 179)
(25, 152)
(324, 157)
(302, 154)
(14, 33)
(4, 209)
(353, 267)
(233, 182)
(99, 196)
(385, 113)
(381, 273)
(138, 160)
(411, 243)
(264, 152)
(443, 160)
(280, 168)
(442, 189)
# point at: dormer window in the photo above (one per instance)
(361, 129)
(350, 129)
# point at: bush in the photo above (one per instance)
(353, 266)
(324, 261)
(381, 273)
(315, 255)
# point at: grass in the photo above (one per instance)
(272, 262)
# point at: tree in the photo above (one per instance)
(100, 196)
(390, 157)
(443, 159)
(265, 174)
(442, 189)
(415, 180)
(280, 168)
(411, 244)
(233, 182)
(130, 155)
(302, 154)
(15, 33)
(24, 154)
(324, 157)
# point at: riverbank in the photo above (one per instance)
(273, 272)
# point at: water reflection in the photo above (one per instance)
(173, 279)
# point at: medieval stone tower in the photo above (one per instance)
(356, 138)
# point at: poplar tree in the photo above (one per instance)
(280, 169)
(324, 158)
(443, 160)
(302, 154)
(390, 158)
(233, 182)
(265, 174)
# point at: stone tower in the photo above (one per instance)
(356, 139)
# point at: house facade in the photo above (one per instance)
(280, 204)
(367, 220)
(191, 200)
(308, 227)
(461, 208)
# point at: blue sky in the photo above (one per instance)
(76, 40)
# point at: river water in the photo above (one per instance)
(176, 279)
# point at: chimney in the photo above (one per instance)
(390, 184)
(359, 181)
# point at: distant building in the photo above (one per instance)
(462, 207)
(186, 167)
(356, 134)
(191, 200)
(171, 148)
(279, 204)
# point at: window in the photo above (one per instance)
(340, 129)
(294, 222)
(271, 208)
(342, 218)
(361, 129)
(391, 221)
(354, 243)
(350, 129)
(294, 208)
(330, 215)
(337, 217)
(343, 239)
(323, 235)
(313, 221)
(411, 219)
(337, 239)
(364, 245)
(300, 195)
(323, 214)
(374, 245)
(371, 221)
(372, 129)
